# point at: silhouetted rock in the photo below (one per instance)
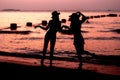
(63, 20)
(116, 30)
(44, 22)
(13, 26)
(112, 15)
(29, 24)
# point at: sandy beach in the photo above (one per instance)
(14, 67)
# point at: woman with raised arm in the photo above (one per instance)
(53, 26)
(76, 25)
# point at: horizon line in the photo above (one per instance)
(12, 9)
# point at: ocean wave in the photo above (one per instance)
(95, 38)
(88, 27)
(115, 22)
(103, 38)
(71, 38)
(111, 30)
(30, 38)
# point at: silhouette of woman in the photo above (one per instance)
(76, 30)
(53, 26)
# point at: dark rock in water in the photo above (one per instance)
(112, 15)
(87, 17)
(103, 16)
(63, 20)
(98, 16)
(44, 22)
(90, 17)
(13, 26)
(28, 24)
(116, 30)
(87, 21)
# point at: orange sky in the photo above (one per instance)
(61, 4)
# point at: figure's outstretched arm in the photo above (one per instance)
(44, 28)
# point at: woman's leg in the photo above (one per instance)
(52, 45)
(46, 41)
(79, 50)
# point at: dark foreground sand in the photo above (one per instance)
(25, 67)
(11, 71)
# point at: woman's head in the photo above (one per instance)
(55, 14)
(74, 16)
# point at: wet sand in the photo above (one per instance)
(15, 68)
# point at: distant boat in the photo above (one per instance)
(11, 10)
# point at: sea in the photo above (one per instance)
(100, 35)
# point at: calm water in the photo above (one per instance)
(98, 40)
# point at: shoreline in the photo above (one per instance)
(95, 59)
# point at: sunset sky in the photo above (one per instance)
(60, 4)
